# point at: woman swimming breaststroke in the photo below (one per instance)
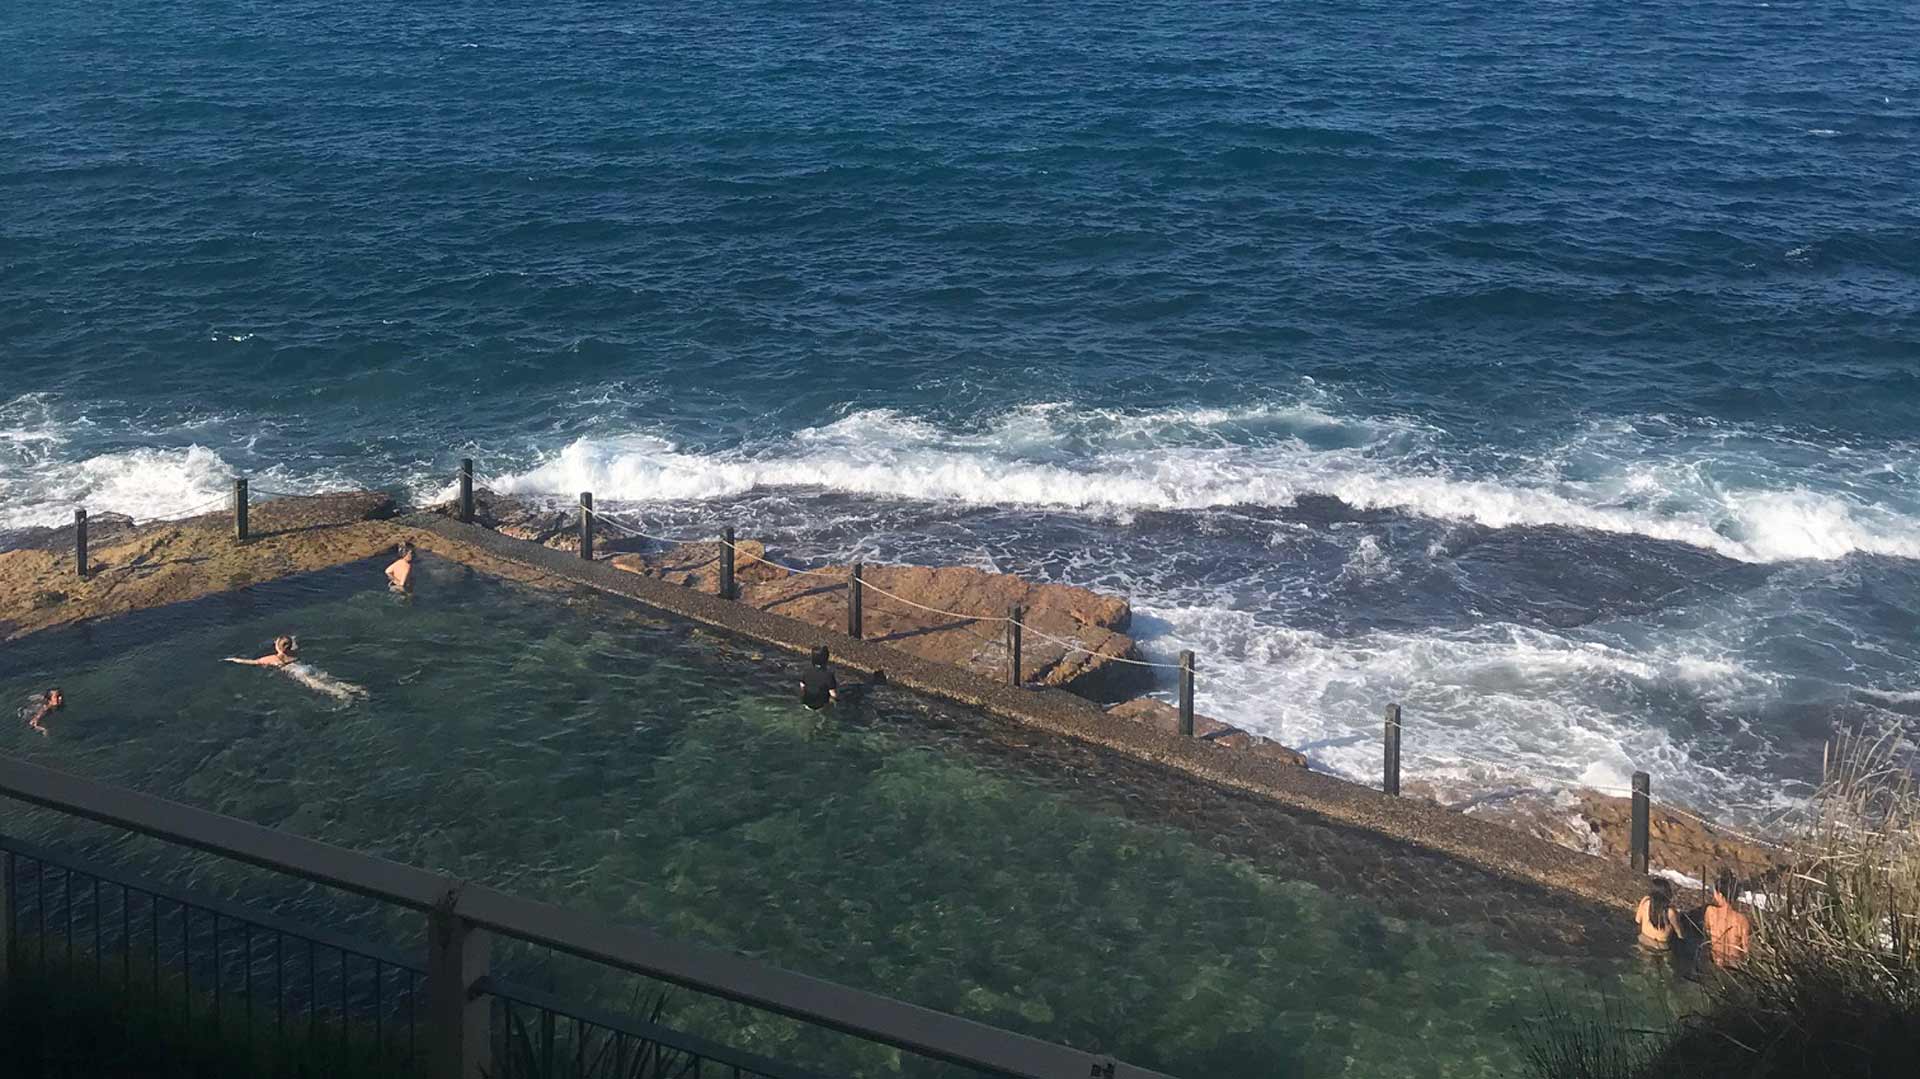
(285, 657)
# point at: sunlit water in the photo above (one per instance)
(574, 748)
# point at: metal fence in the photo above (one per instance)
(286, 998)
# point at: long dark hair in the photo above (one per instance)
(1659, 899)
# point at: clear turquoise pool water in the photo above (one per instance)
(575, 748)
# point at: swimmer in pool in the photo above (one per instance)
(285, 647)
(286, 651)
(48, 705)
(818, 687)
(400, 573)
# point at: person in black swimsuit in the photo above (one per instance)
(818, 687)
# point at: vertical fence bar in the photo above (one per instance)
(458, 1038)
(853, 603)
(586, 525)
(726, 563)
(1641, 788)
(1016, 614)
(466, 489)
(1186, 694)
(240, 510)
(1390, 773)
(80, 542)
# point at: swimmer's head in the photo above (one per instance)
(406, 549)
(1725, 887)
(286, 645)
(55, 698)
(820, 655)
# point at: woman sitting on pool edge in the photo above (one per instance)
(286, 652)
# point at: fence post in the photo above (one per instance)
(80, 541)
(853, 602)
(1390, 779)
(586, 525)
(1186, 694)
(459, 1045)
(1641, 787)
(240, 510)
(1015, 615)
(726, 562)
(466, 489)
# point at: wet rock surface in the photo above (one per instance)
(949, 614)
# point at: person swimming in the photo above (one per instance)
(400, 572)
(1659, 923)
(285, 657)
(50, 702)
(818, 687)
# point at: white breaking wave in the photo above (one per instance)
(1058, 457)
(1499, 705)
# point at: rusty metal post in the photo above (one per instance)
(1641, 813)
(586, 525)
(1186, 694)
(240, 510)
(80, 542)
(466, 489)
(726, 563)
(1015, 615)
(853, 602)
(1390, 775)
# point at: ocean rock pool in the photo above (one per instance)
(574, 747)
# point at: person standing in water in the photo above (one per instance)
(49, 704)
(400, 573)
(286, 657)
(1659, 923)
(1729, 931)
(818, 687)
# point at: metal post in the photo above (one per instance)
(853, 602)
(1390, 778)
(586, 525)
(1015, 615)
(1641, 786)
(466, 489)
(726, 563)
(240, 510)
(80, 541)
(1186, 694)
(458, 1042)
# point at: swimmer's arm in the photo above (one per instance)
(263, 661)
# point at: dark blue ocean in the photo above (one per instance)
(1550, 368)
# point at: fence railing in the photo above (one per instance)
(251, 975)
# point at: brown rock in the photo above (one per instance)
(697, 565)
(1675, 840)
(973, 636)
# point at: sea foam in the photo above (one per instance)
(1058, 457)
